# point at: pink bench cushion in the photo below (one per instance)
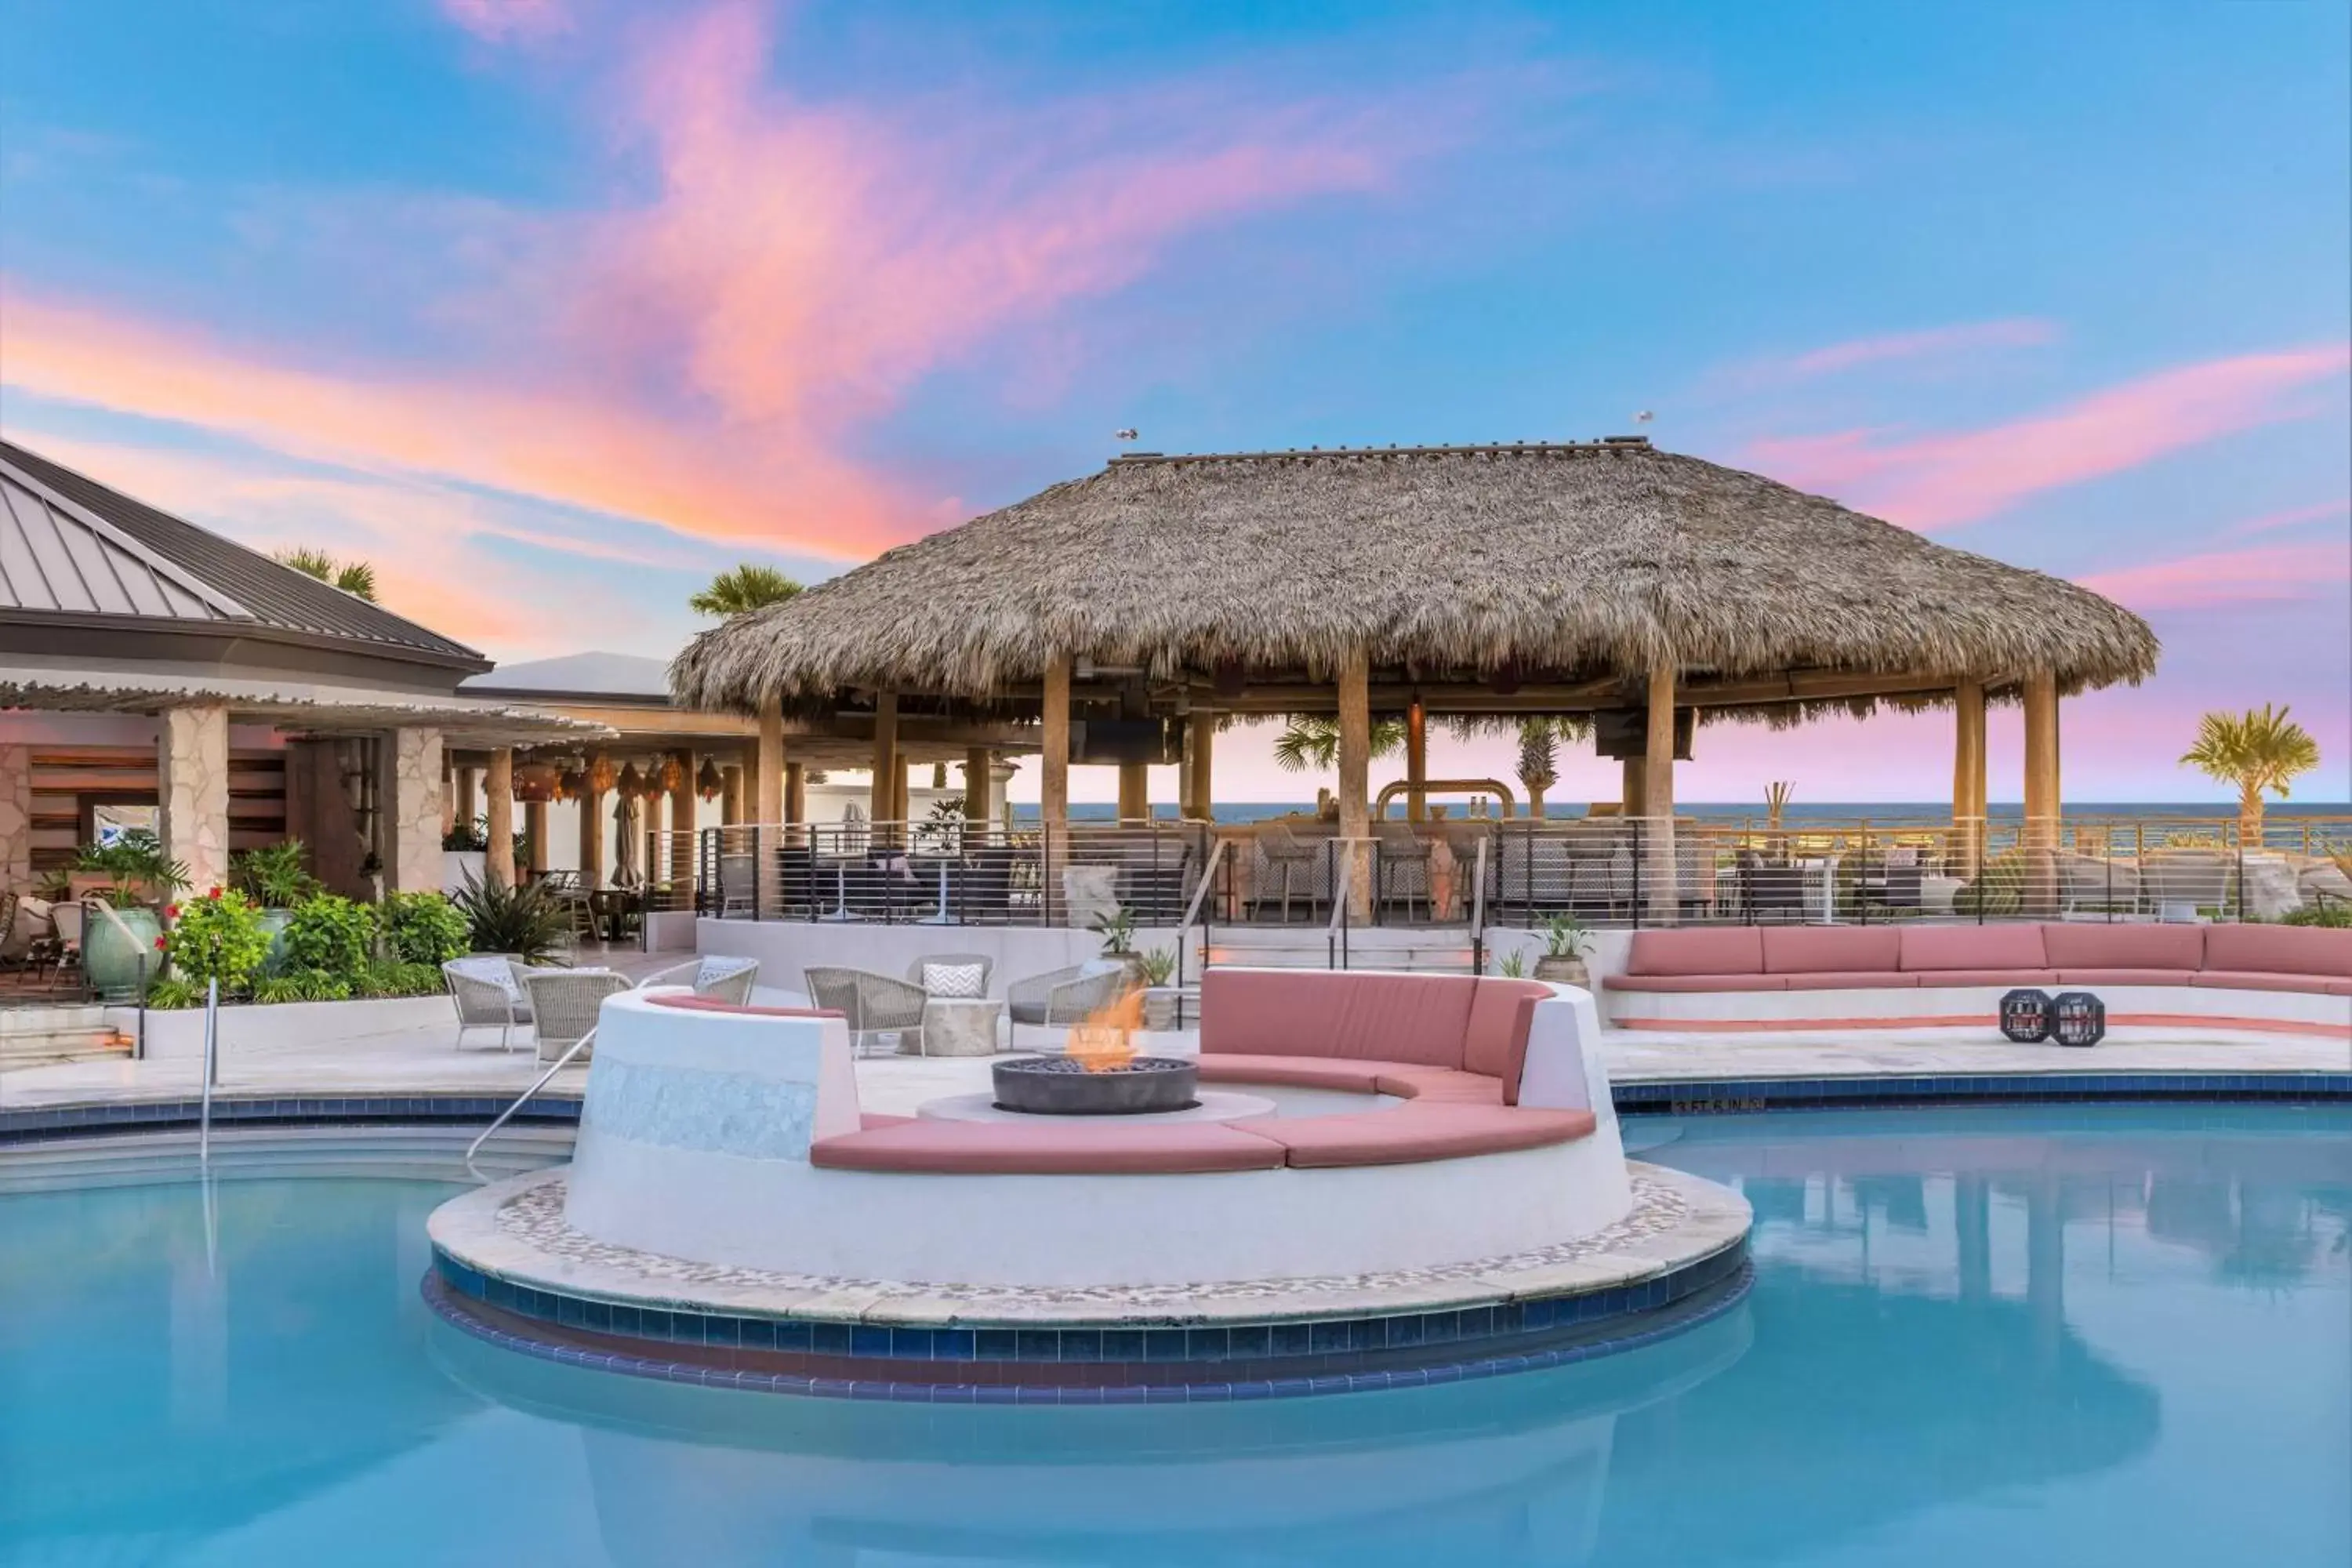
(1694, 983)
(2004, 978)
(1501, 1014)
(1831, 950)
(2125, 976)
(1301, 1072)
(1418, 1018)
(1854, 980)
(1979, 948)
(2261, 980)
(1436, 1084)
(694, 1004)
(1420, 1131)
(1007, 1149)
(2086, 946)
(1716, 950)
(2280, 950)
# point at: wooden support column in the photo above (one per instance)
(466, 808)
(770, 766)
(899, 810)
(979, 787)
(882, 801)
(1416, 760)
(1134, 791)
(730, 795)
(497, 784)
(1967, 777)
(1633, 793)
(534, 834)
(1199, 764)
(593, 808)
(1053, 781)
(2041, 810)
(682, 802)
(1355, 779)
(795, 793)
(1658, 797)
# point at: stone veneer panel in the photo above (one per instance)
(192, 766)
(413, 857)
(15, 816)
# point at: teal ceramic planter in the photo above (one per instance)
(114, 943)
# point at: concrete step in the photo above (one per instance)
(41, 1037)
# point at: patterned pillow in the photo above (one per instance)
(955, 979)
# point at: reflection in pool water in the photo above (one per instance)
(2062, 1335)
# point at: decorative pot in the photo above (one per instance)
(273, 924)
(1159, 1008)
(1563, 970)
(114, 942)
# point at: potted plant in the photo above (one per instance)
(1566, 941)
(119, 937)
(1117, 930)
(1160, 998)
(275, 879)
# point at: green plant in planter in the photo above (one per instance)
(218, 937)
(331, 935)
(276, 878)
(1513, 966)
(424, 927)
(2338, 916)
(1565, 936)
(526, 921)
(142, 873)
(1118, 933)
(175, 993)
(303, 985)
(1159, 966)
(1999, 889)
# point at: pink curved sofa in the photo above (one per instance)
(1453, 1048)
(1748, 961)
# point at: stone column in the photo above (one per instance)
(1658, 797)
(15, 816)
(497, 784)
(408, 799)
(1967, 776)
(1356, 781)
(192, 757)
(1054, 780)
(2042, 811)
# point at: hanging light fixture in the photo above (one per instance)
(629, 783)
(534, 783)
(601, 774)
(569, 782)
(673, 775)
(706, 783)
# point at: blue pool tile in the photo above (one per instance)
(1082, 1345)
(1206, 1344)
(952, 1344)
(1122, 1345)
(1250, 1341)
(865, 1339)
(757, 1333)
(1037, 1344)
(996, 1344)
(796, 1334)
(1291, 1339)
(910, 1344)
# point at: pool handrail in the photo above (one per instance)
(507, 1115)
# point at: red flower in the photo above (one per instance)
(213, 894)
(161, 943)
(171, 912)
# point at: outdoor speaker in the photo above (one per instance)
(2025, 1017)
(2079, 1018)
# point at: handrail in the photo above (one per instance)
(1208, 878)
(1446, 786)
(1343, 889)
(508, 1115)
(1478, 909)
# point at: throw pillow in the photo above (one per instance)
(954, 979)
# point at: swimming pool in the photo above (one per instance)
(2020, 1334)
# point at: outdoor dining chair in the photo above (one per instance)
(875, 1005)
(1064, 998)
(721, 979)
(488, 996)
(566, 1002)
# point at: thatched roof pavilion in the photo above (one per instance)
(1576, 578)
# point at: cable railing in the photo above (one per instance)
(1515, 872)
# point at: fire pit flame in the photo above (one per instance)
(1106, 1040)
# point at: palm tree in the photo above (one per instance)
(1309, 742)
(749, 587)
(1538, 761)
(356, 578)
(2258, 751)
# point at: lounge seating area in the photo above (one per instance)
(558, 1007)
(2251, 975)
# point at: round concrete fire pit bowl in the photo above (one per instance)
(1057, 1086)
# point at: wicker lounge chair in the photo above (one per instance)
(721, 979)
(1281, 854)
(1064, 998)
(565, 1003)
(488, 996)
(875, 1005)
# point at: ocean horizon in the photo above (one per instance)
(1259, 810)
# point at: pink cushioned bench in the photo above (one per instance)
(2308, 961)
(1453, 1048)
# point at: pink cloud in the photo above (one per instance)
(2258, 574)
(1938, 481)
(1933, 343)
(510, 21)
(2291, 517)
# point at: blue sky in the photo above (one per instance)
(553, 306)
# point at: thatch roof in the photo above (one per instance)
(1451, 562)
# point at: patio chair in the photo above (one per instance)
(1282, 855)
(963, 961)
(721, 979)
(1403, 855)
(1064, 998)
(875, 1005)
(1770, 887)
(566, 1002)
(487, 996)
(737, 893)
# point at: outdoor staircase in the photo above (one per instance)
(44, 1035)
(1421, 950)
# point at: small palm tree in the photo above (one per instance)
(2259, 751)
(1309, 742)
(749, 586)
(356, 578)
(1539, 760)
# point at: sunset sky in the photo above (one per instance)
(551, 307)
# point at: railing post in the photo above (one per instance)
(1641, 853)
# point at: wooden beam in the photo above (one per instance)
(534, 834)
(1054, 784)
(1967, 775)
(979, 783)
(882, 801)
(1355, 778)
(1633, 798)
(1658, 795)
(2041, 808)
(499, 864)
(1134, 791)
(682, 858)
(1200, 764)
(769, 767)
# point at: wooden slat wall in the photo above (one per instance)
(62, 776)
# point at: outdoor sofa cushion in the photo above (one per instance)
(1854, 980)
(1445, 1131)
(1502, 1013)
(1417, 1018)
(1436, 1084)
(2126, 976)
(1694, 983)
(1831, 950)
(2260, 980)
(939, 1148)
(1300, 1072)
(2088, 945)
(1979, 948)
(1719, 950)
(2005, 978)
(2280, 950)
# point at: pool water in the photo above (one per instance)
(2063, 1335)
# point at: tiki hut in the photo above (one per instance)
(1607, 578)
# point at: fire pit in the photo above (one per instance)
(1060, 1086)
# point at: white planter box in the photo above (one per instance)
(180, 1033)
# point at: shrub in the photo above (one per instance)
(275, 877)
(303, 985)
(424, 927)
(2335, 916)
(526, 921)
(398, 980)
(217, 937)
(331, 935)
(175, 991)
(1999, 889)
